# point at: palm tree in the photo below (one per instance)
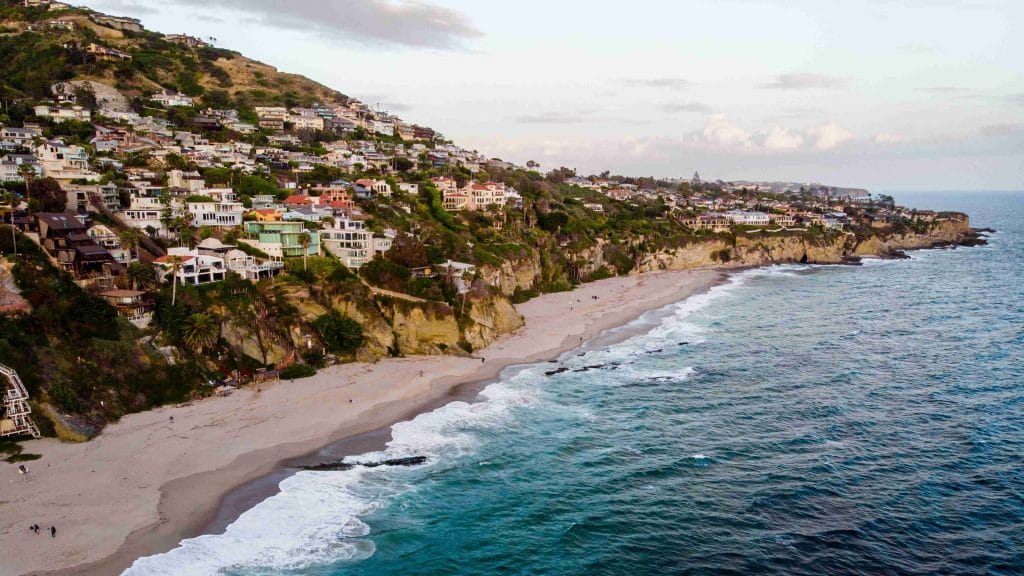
(130, 239)
(305, 240)
(175, 263)
(183, 227)
(27, 172)
(200, 332)
(140, 275)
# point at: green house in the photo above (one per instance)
(286, 234)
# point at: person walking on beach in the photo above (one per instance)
(53, 532)
(22, 469)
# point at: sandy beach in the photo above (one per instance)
(149, 480)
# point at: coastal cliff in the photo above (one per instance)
(828, 248)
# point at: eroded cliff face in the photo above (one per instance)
(490, 318)
(393, 326)
(512, 275)
(942, 234)
(400, 327)
(832, 248)
(751, 251)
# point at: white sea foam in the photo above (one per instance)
(315, 518)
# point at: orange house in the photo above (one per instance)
(267, 215)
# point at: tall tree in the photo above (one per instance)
(183, 227)
(46, 195)
(140, 275)
(305, 240)
(130, 239)
(175, 264)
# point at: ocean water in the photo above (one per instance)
(795, 420)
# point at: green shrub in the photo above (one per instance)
(297, 371)
(339, 333)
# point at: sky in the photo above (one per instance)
(888, 95)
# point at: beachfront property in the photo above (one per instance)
(189, 267)
(783, 219)
(130, 304)
(281, 239)
(745, 218)
(348, 240)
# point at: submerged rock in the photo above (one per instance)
(328, 467)
(342, 466)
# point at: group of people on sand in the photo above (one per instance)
(35, 528)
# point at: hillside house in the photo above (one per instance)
(170, 99)
(367, 188)
(192, 267)
(281, 239)
(185, 40)
(272, 117)
(216, 213)
(106, 54)
(60, 114)
(130, 304)
(65, 163)
(117, 22)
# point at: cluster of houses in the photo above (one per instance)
(476, 195)
(323, 219)
(93, 253)
(723, 206)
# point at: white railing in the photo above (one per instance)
(16, 407)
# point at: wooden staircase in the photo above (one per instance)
(15, 418)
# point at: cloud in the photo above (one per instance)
(664, 83)
(945, 89)
(406, 23)
(782, 139)
(804, 82)
(1001, 130)
(720, 132)
(576, 117)
(829, 136)
(890, 138)
(685, 107)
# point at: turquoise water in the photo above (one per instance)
(796, 420)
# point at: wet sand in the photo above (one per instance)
(148, 482)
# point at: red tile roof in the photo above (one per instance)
(167, 259)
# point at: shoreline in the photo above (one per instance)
(131, 470)
(242, 498)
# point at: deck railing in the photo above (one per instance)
(16, 407)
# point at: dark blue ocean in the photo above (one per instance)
(796, 420)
